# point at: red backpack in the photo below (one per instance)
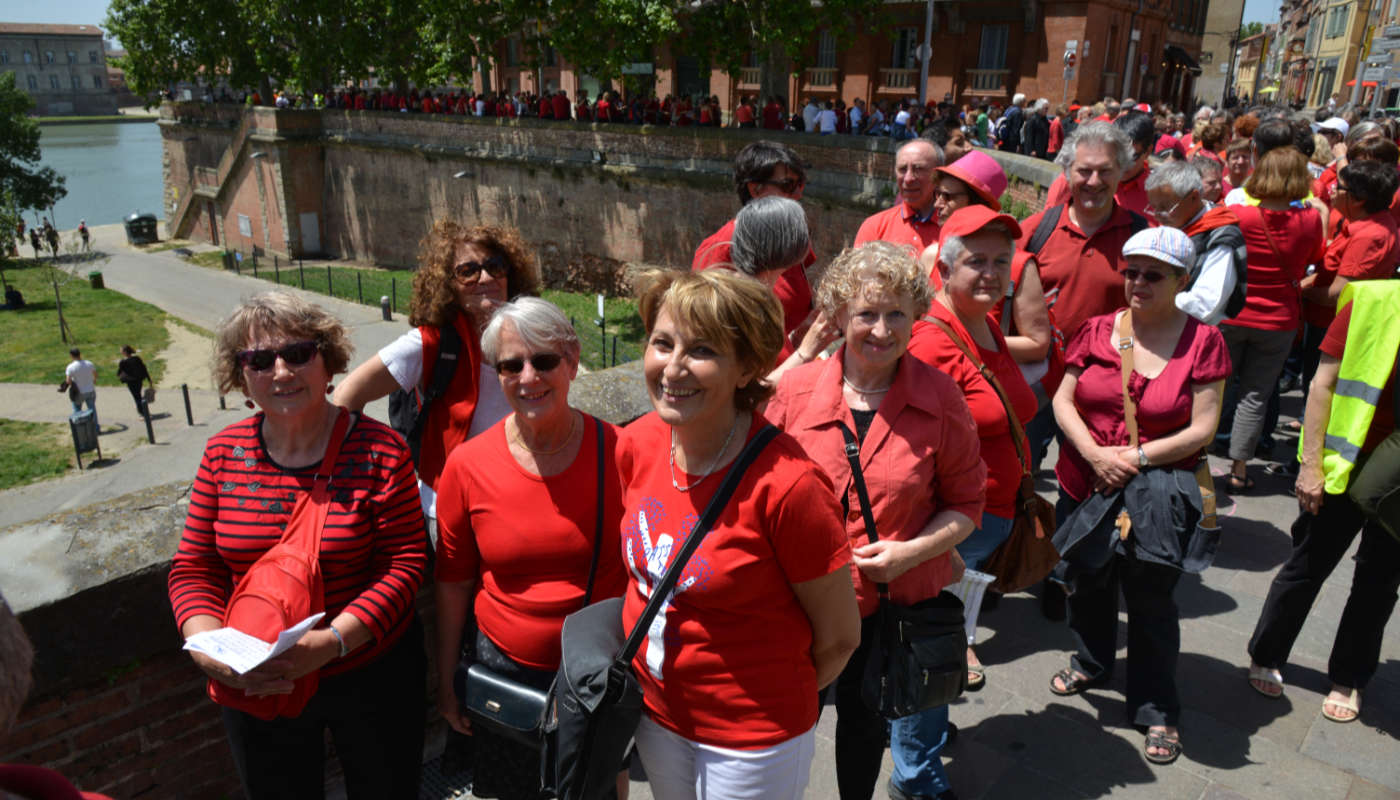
(283, 588)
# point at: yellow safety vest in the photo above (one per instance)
(1373, 339)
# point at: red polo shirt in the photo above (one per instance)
(899, 225)
(1131, 194)
(1080, 273)
(561, 106)
(792, 289)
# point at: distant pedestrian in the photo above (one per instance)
(131, 370)
(35, 243)
(80, 375)
(85, 234)
(51, 236)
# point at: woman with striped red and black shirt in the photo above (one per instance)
(281, 352)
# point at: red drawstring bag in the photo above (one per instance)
(283, 588)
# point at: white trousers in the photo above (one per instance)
(679, 769)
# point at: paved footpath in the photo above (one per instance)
(1017, 741)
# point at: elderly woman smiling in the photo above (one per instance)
(919, 457)
(960, 337)
(517, 509)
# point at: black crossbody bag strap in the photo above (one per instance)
(662, 591)
(858, 478)
(597, 516)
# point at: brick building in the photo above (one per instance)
(63, 67)
(987, 50)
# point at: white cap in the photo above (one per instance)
(1168, 245)
(1334, 123)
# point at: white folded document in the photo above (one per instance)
(243, 652)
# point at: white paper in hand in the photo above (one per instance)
(242, 652)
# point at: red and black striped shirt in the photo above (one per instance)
(373, 549)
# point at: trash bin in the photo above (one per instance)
(84, 425)
(95, 278)
(141, 229)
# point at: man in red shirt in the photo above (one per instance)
(1132, 185)
(773, 114)
(913, 220)
(764, 169)
(560, 101)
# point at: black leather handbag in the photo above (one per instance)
(918, 659)
(507, 707)
(595, 703)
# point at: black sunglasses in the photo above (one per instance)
(1151, 276)
(295, 354)
(495, 266)
(542, 362)
(786, 185)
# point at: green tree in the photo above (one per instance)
(1251, 29)
(23, 183)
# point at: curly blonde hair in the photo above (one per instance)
(871, 268)
(434, 300)
(732, 311)
(282, 313)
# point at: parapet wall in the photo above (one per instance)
(589, 198)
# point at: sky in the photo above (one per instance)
(92, 12)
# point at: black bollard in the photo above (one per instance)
(384, 308)
(330, 290)
(301, 271)
(222, 407)
(359, 289)
(189, 415)
(277, 271)
(146, 415)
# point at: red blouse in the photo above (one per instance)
(1279, 245)
(1163, 402)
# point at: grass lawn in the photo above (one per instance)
(32, 451)
(362, 285)
(100, 321)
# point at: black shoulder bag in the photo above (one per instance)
(508, 707)
(918, 660)
(595, 703)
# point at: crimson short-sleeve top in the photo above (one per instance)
(744, 113)
(1163, 402)
(1364, 249)
(1279, 247)
(528, 540)
(728, 661)
(1383, 423)
(932, 346)
(373, 550)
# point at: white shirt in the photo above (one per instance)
(809, 117)
(901, 120)
(83, 374)
(403, 357)
(826, 121)
(480, 107)
(856, 116)
(1207, 297)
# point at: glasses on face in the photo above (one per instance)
(786, 185)
(295, 355)
(947, 197)
(1149, 275)
(542, 362)
(495, 266)
(1160, 214)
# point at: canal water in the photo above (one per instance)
(112, 169)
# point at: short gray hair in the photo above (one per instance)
(1018, 98)
(1182, 177)
(769, 233)
(1103, 133)
(937, 149)
(539, 323)
(953, 247)
(1042, 103)
(1361, 130)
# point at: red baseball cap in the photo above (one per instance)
(971, 219)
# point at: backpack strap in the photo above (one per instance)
(661, 592)
(1048, 222)
(444, 369)
(1136, 221)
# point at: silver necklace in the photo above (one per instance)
(520, 440)
(859, 390)
(677, 484)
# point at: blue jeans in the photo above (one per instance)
(981, 542)
(915, 744)
(85, 397)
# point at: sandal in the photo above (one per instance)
(1241, 485)
(1157, 739)
(976, 677)
(1271, 678)
(1071, 682)
(1352, 704)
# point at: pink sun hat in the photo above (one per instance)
(982, 174)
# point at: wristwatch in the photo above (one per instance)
(1142, 457)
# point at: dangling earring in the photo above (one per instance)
(249, 403)
(330, 388)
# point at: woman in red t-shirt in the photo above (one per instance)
(517, 506)
(1282, 237)
(1179, 366)
(974, 265)
(764, 614)
(925, 480)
